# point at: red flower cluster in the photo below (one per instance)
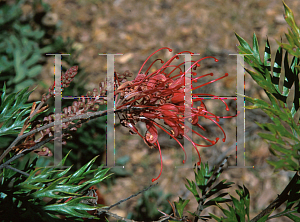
(159, 95)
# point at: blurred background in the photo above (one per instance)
(86, 28)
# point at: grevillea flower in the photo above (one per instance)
(160, 95)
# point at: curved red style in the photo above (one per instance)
(160, 95)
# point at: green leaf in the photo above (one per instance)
(79, 173)
(218, 199)
(9, 13)
(193, 189)
(289, 17)
(20, 70)
(217, 188)
(270, 137)
(53, 183)
(293, 217)
(278, 111)
(255, 48)
(238, 211)
(180, 205)
(245, 46)
(264, 218)
(34, 71)
(262, 74)
(32, 60)
(219, 219)
(73, 207)
(202, 176)
(14, 111)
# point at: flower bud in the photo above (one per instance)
(89, 93)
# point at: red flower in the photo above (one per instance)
(159, 95)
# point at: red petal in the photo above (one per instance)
(152, 134)
(176, 129)
(139, 77)
(159, 77)
(150, 115)
(177, 98)
(177, 84)
(195, 119)
(168, 106)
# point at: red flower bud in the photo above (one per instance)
(151, 135)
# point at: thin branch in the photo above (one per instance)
(282, 214)
(128, 220)
(69, 119)
(279, 200)
(216, 161)
(17, 170)
(121, 201)
(23, 153)
(38, 145)
(106, 209)
(118, 217)
(37, 109)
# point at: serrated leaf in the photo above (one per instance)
(72, 207)
(49, 182)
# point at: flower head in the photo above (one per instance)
(160, 95)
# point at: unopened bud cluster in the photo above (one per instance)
(66, 79)
(91, 101)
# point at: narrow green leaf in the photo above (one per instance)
(255, 48)
(72, 207)
(180, 205)
(79, 172)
